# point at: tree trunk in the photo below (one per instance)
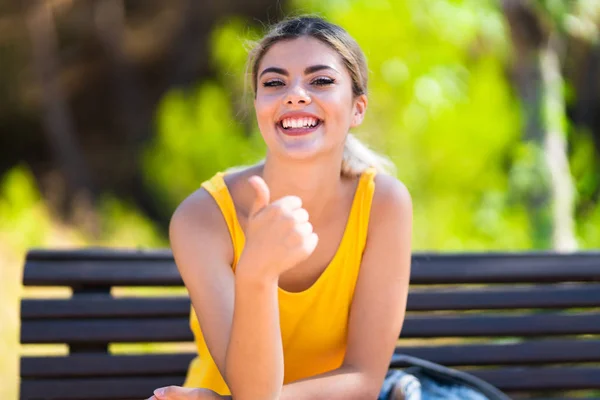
(58, 124)
(549, 194)
(555, 147)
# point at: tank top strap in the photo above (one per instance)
(364, 197)
(217, 188)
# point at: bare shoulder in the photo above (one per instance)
(200, 208)
(391, 201)
(198, 223)
(198, 211)
(198, 229)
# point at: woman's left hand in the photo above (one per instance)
(181, 393)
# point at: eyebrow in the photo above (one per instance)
(307, 70)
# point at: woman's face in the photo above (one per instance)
(304, 101)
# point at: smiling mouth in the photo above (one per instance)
(299, 126)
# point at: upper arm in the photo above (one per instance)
(203, 253)
(379, 303)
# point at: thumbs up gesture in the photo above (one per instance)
(278, 234)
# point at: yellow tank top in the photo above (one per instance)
(313, 322)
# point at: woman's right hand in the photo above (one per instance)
(279, 234)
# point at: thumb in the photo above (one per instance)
(172, 393)
(263, 194)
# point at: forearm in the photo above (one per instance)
(254, 359)
(345, 383)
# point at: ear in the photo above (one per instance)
(359, 110)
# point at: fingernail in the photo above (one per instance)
(159, 392)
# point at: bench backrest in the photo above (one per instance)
(528, 323)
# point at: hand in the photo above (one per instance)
(181, 393)
(279, 235)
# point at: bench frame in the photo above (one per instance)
(531, 321)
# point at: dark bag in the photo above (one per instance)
(425, 380)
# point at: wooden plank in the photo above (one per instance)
(506, 379)
(546, 297)
(99, 253)
(98, 366)
(486, 325)
(528, 397)
(106, 331)
(545, 396)
(98, 267)
(526, 353)
(538, 379)
(105, 307)
(505, 268)
(95, 389)
(531, 352)
(101, 273)
(531, 379)
(416, 326)
(559, 296)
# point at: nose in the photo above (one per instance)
(296, 94)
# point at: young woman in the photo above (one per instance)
(297, 268)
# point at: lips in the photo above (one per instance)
(295, 124)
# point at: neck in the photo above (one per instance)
(315, 182)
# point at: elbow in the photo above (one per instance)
(366, 386)
(367, 391)
(254, 392)
(253, 389)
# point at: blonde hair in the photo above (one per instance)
(357, 157)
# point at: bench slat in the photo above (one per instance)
(95, 389)
(100, 253)
(561, 296)
(114, 268)
(106, 331)
(416, 326)
(104, 365)
(487, 325)
(550, 378)
(105, 307)
(545, 351)
(553, 296)
(101, 273)
(507, 379)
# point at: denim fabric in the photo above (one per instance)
(410, 385)
(425, 388)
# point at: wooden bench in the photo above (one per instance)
(527, 323)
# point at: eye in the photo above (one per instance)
(323, 81)
(272, 83)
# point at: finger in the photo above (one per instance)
(262, 194)
(300, 215)
(288, 203)
(174, 393)
(304, 229)
(164, 393)
(310, 244)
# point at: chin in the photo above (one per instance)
(301, 148)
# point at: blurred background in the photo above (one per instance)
(113, 111)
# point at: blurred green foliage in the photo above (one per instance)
(440, 107)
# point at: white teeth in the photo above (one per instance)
(306, 122)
